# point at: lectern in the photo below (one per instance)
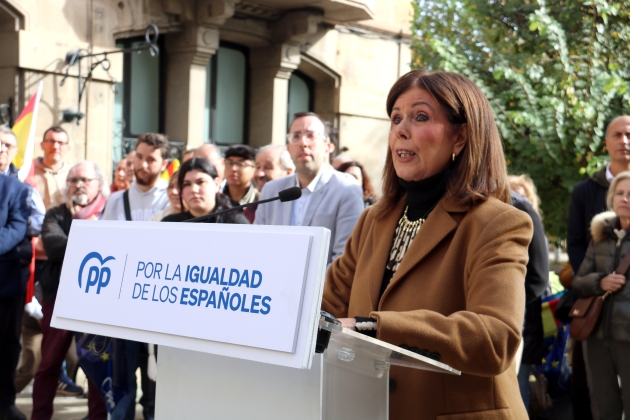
(237, 330)
(348, 381)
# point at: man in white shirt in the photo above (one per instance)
(147, 194)
(329, 199)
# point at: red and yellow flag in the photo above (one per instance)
(24, 129)
(170, 169)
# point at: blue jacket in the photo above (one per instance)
(14, 212)
(336, 203)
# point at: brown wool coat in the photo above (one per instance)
(459, 291)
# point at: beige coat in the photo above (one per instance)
(50, 186)
(459, 291)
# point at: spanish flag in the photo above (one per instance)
(24, 129)
(170, 170)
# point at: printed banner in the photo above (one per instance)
(237, 287)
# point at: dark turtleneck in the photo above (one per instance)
(422, 197)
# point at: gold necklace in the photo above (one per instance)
(409, 226)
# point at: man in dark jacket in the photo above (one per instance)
(589, 196)
(588, 200)
(84, 201)
(31, 333)
(14, 212)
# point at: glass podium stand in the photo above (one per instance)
(350, 380)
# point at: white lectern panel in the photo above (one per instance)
(245, 291)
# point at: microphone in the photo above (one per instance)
(288, 194)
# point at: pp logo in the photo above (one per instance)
(97, 276)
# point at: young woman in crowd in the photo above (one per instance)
(356, 170)
(608, 346)
(174, 205)
(121, 182)
(199, 193)
(438, 264)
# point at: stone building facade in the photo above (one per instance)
(228, 71)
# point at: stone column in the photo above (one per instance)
(188, 55)
(271, 68)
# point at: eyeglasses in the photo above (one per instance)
(77, 181)
(55, 142)
(6, 146)
(240, 164)
(311, 136)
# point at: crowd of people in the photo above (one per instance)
(207, 181)
(451, 262)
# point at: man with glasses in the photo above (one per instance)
(239, 175)
(329, 199)
(84, 201)
(50, 170)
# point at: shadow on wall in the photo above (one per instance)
(77, 15)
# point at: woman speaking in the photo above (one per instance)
(438, 264)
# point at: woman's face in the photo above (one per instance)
(421, 139)
(621, 199)
(355, 171)
(120, 176)
(173, 194)
(199, 192)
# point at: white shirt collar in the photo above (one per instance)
(311, 186)
(609, 174)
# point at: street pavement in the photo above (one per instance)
(66, 408)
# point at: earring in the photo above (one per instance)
(453, 157)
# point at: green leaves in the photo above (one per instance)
(556, 72)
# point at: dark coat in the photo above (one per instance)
(14, 212)
(537, 277)
(55, 239)
(602, 258)
(25, 248)
(223, 202)
(588, 199)
(459, 291)
(536, 281)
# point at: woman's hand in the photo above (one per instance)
(612, 282)
(348, 323)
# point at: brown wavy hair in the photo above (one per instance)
(368, 189)
(479, 171)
